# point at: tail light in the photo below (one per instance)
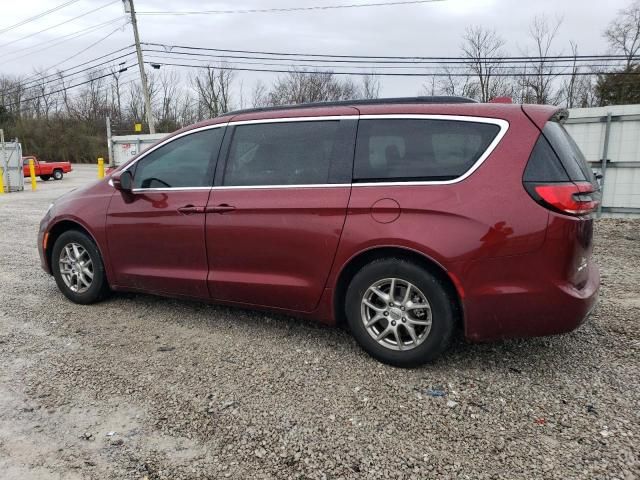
(557, 175)
(570, 198)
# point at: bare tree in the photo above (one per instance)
(538, 83)
(91, 103)
(213, 88)
(187, 113)
(370, 86)
(135, 103)
(12, 94)
(304, 87)
(578, 90)
(259, 95)
(483, 50)
(623, 33)
(454, 84)
(64, 93)
(116, 93)
(44, 98)
(169, 99)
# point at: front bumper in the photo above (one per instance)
(43, 239)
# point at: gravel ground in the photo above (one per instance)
(143, 387)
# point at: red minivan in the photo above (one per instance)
(404, 218)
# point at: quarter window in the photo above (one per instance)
(283, 153)
(414, 149)
(184, 162)
(569, 153)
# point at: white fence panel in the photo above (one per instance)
(621, 181)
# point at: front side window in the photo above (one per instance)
(285, 153)
(416, 149)
(184, 162)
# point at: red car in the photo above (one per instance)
(404, 218)
(45, 170)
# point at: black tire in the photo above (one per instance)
(99, 287)
(442, 310)
(57, 174)
(44, 178)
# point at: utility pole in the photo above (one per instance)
(129, 8)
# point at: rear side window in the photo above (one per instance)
(415, 149)
(544, 165)
(184, 162)
(568, 152)
(282, 153)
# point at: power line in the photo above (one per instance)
(383, 74)
(63, 39)
(369, 67)
(86, 63)
(169, 48)
(36, 17)
(58, 77)
(59, 24)
(89, 47)
(458, 64)
(60, 90)
(289, 9)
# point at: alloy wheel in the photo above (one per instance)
(76, 267)
(396, 314)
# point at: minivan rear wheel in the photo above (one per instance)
(399, 312)
(78, 269)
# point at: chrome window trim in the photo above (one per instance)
(169, 140)
(295, 119)
(503, 124)
(171, 189)
(267, 187)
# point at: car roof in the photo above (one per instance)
(459, 106)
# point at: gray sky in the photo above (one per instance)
(424, 30)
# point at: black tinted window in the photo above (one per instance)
(544, 165)
(407, 149)
(294, 153)
(184, 162)
(569, 153)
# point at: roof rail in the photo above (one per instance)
(353, 103)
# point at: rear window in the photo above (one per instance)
(415, 149)
(569, 153)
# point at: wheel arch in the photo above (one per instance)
(64, 226)
(365, 257)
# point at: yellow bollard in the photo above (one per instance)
(32, 173)
(100, 167)
(1, 181)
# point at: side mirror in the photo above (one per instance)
(122, 181)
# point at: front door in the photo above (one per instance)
(156, 233)
(276, 214)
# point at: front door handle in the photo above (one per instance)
(191, 209)
(223, 208)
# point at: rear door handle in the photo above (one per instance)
(191, 209)
(223, 208)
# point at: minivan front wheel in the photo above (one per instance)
(78, 269)
(399, 312)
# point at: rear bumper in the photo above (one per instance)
(529, 307)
